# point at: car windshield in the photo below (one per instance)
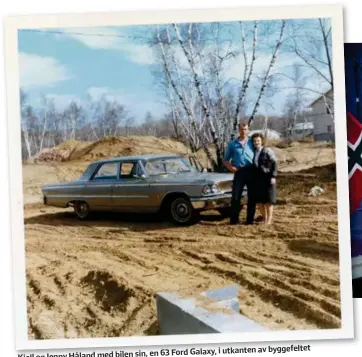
(88, 172)
(167, 166)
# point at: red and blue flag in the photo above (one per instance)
(353, 79)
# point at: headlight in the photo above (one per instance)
(210, 189)
(206, 190)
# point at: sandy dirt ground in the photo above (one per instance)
(99, 278)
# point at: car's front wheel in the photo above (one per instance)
(81, 209)
(182, 212)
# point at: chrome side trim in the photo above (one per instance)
(60, 187)
(129, 185)
(211, 198)
(177, 184)
(129, 196)
(96, 196)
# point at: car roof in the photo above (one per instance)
(136, 158)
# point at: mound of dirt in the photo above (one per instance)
(292, 157)
(326, 173)
(294, 184)
(121, 146)
(72, 146)
(51, 155)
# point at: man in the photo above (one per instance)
(241, 152)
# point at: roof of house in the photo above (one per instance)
(325, 94)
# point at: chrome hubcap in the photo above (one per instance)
(181, 212)
(81, 209)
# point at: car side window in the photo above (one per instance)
(108, 171)
(128, 170)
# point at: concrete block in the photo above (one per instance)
(227, 297)
(178, 315)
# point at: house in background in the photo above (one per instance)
(322, 114)
(269, 134)
(300, 131)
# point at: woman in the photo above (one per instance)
(265, 172)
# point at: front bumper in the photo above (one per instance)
(211, 202)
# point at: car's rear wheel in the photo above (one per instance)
(81, 209)
(182, 212)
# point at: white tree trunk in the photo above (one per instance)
(197, 82)
(266, 77)
(182, 100)
(248, 71)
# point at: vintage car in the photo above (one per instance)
(167, 184)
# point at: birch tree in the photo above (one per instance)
(312, 44)
(171, 70)
(266, 77)
(26, 112)
(74, 113)
(193, 59)
(248, 70)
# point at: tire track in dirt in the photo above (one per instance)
(281, 298)
(304, 279)
(288, 277)
(303, 293)
(324, 305)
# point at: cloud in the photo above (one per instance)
(112, 39)
(38, 71)
(141, 54)
(137, 105)
(94, 37)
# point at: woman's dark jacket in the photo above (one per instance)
(267, 162)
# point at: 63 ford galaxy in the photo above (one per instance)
(144, 184)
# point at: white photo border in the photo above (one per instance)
(13, 24)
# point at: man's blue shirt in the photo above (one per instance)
(241, 155)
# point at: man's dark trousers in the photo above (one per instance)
(242, 178)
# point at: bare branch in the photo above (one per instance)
(182, 100)
(190, 58)
(326, 48)
(266, 77)
(246, 79)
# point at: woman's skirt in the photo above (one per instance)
(264, 191)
